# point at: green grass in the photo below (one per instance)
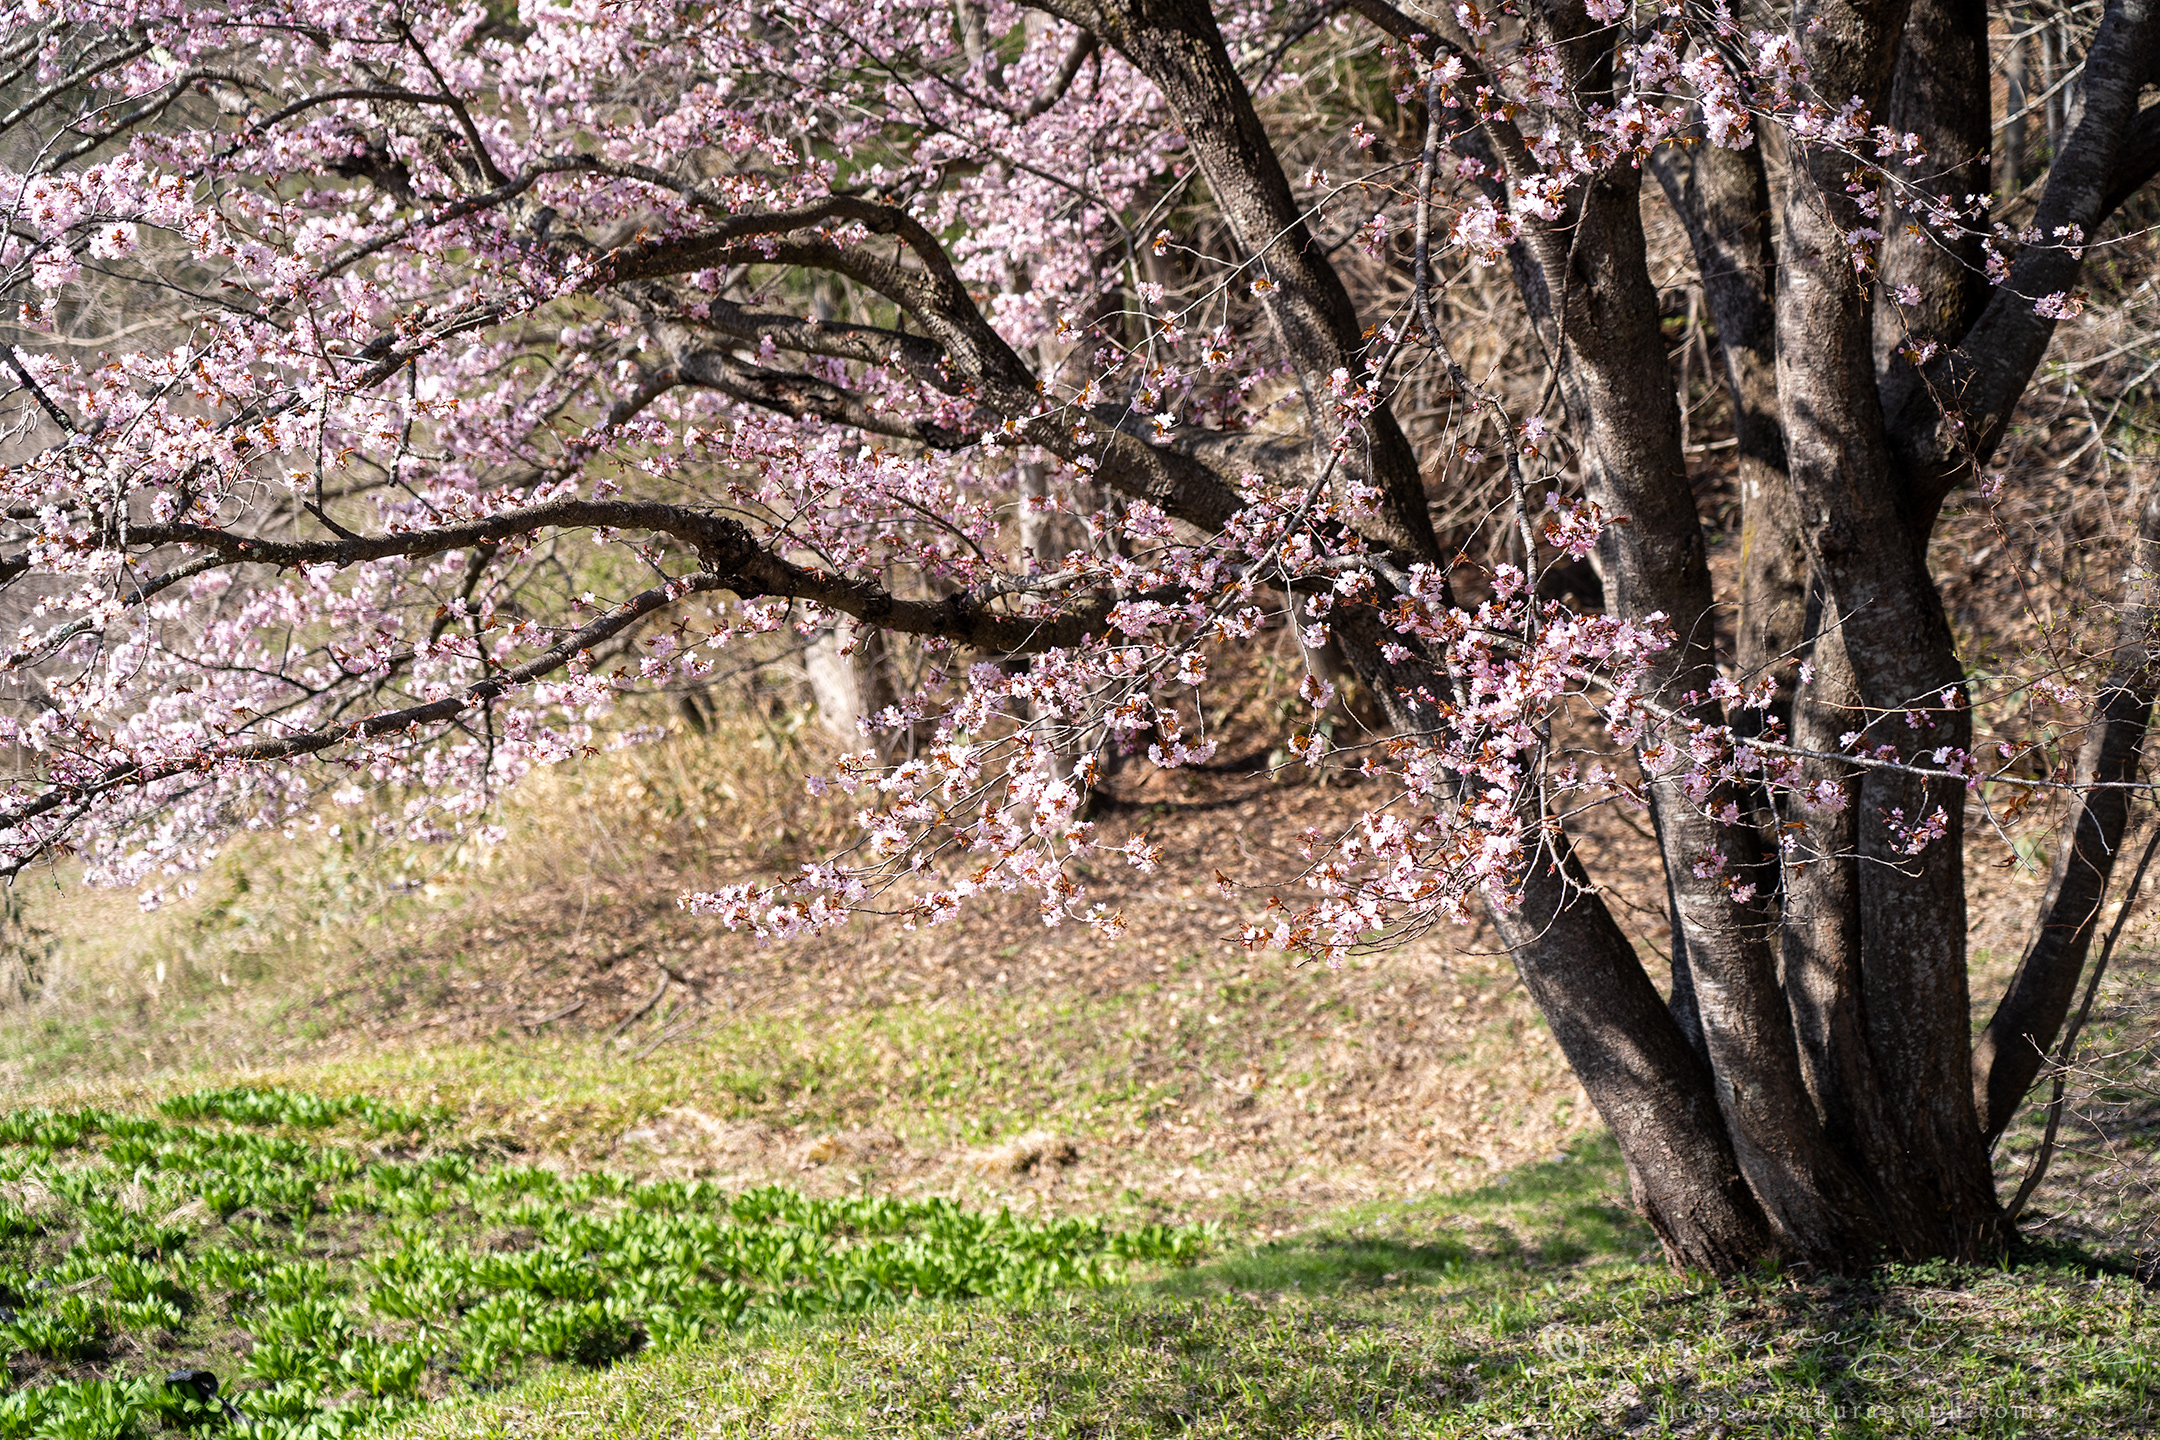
(940, 1077)
(946, 1070)
(343, 1266)
(334, 1285)
(940, 1072)
(1527, 1308)
(352, 1238)
(246, 1105)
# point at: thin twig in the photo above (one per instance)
(643, 1010)
(681, 1028)
(2069, 1040)
(553, 1015)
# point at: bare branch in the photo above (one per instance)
(2007, 1057)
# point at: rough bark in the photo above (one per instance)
(1680, 998)
(1819, 923)
(1593, 293)
(1939, 92)
(1648, 1085)
(1918, 1141)
(1722, 196)
(1948, 417)
(1833, 1116)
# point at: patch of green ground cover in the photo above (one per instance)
(246, 1105)
(1530, 1308)
(335, 1285)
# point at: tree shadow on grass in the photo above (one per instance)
(1425, 1316)
(1536, 1305)
(1540, 1300)
(1554, 1213)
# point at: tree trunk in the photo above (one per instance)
(848, 680)
(1808, 1092)
(1650, 1087)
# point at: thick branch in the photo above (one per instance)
(1648, 1084)
(732, 558)
(795, 394)
(1949, 418)
(2137, 162)
(1723, 198)
(1178, 46)
(362, 92)
(1083, 47)
(835, 339)
(1940, 92)
(1875, 936)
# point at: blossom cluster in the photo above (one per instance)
(498, 340)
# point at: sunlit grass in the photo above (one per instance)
(1526, 1308)
(186, 1273)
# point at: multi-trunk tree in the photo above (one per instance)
(399, 385)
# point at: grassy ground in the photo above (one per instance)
(1205, 1091)
(1400, 1251)
(223, 1263)
(1526, 1308)
(551, 994)
(341, 1265)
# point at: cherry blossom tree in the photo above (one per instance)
(398, 386)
